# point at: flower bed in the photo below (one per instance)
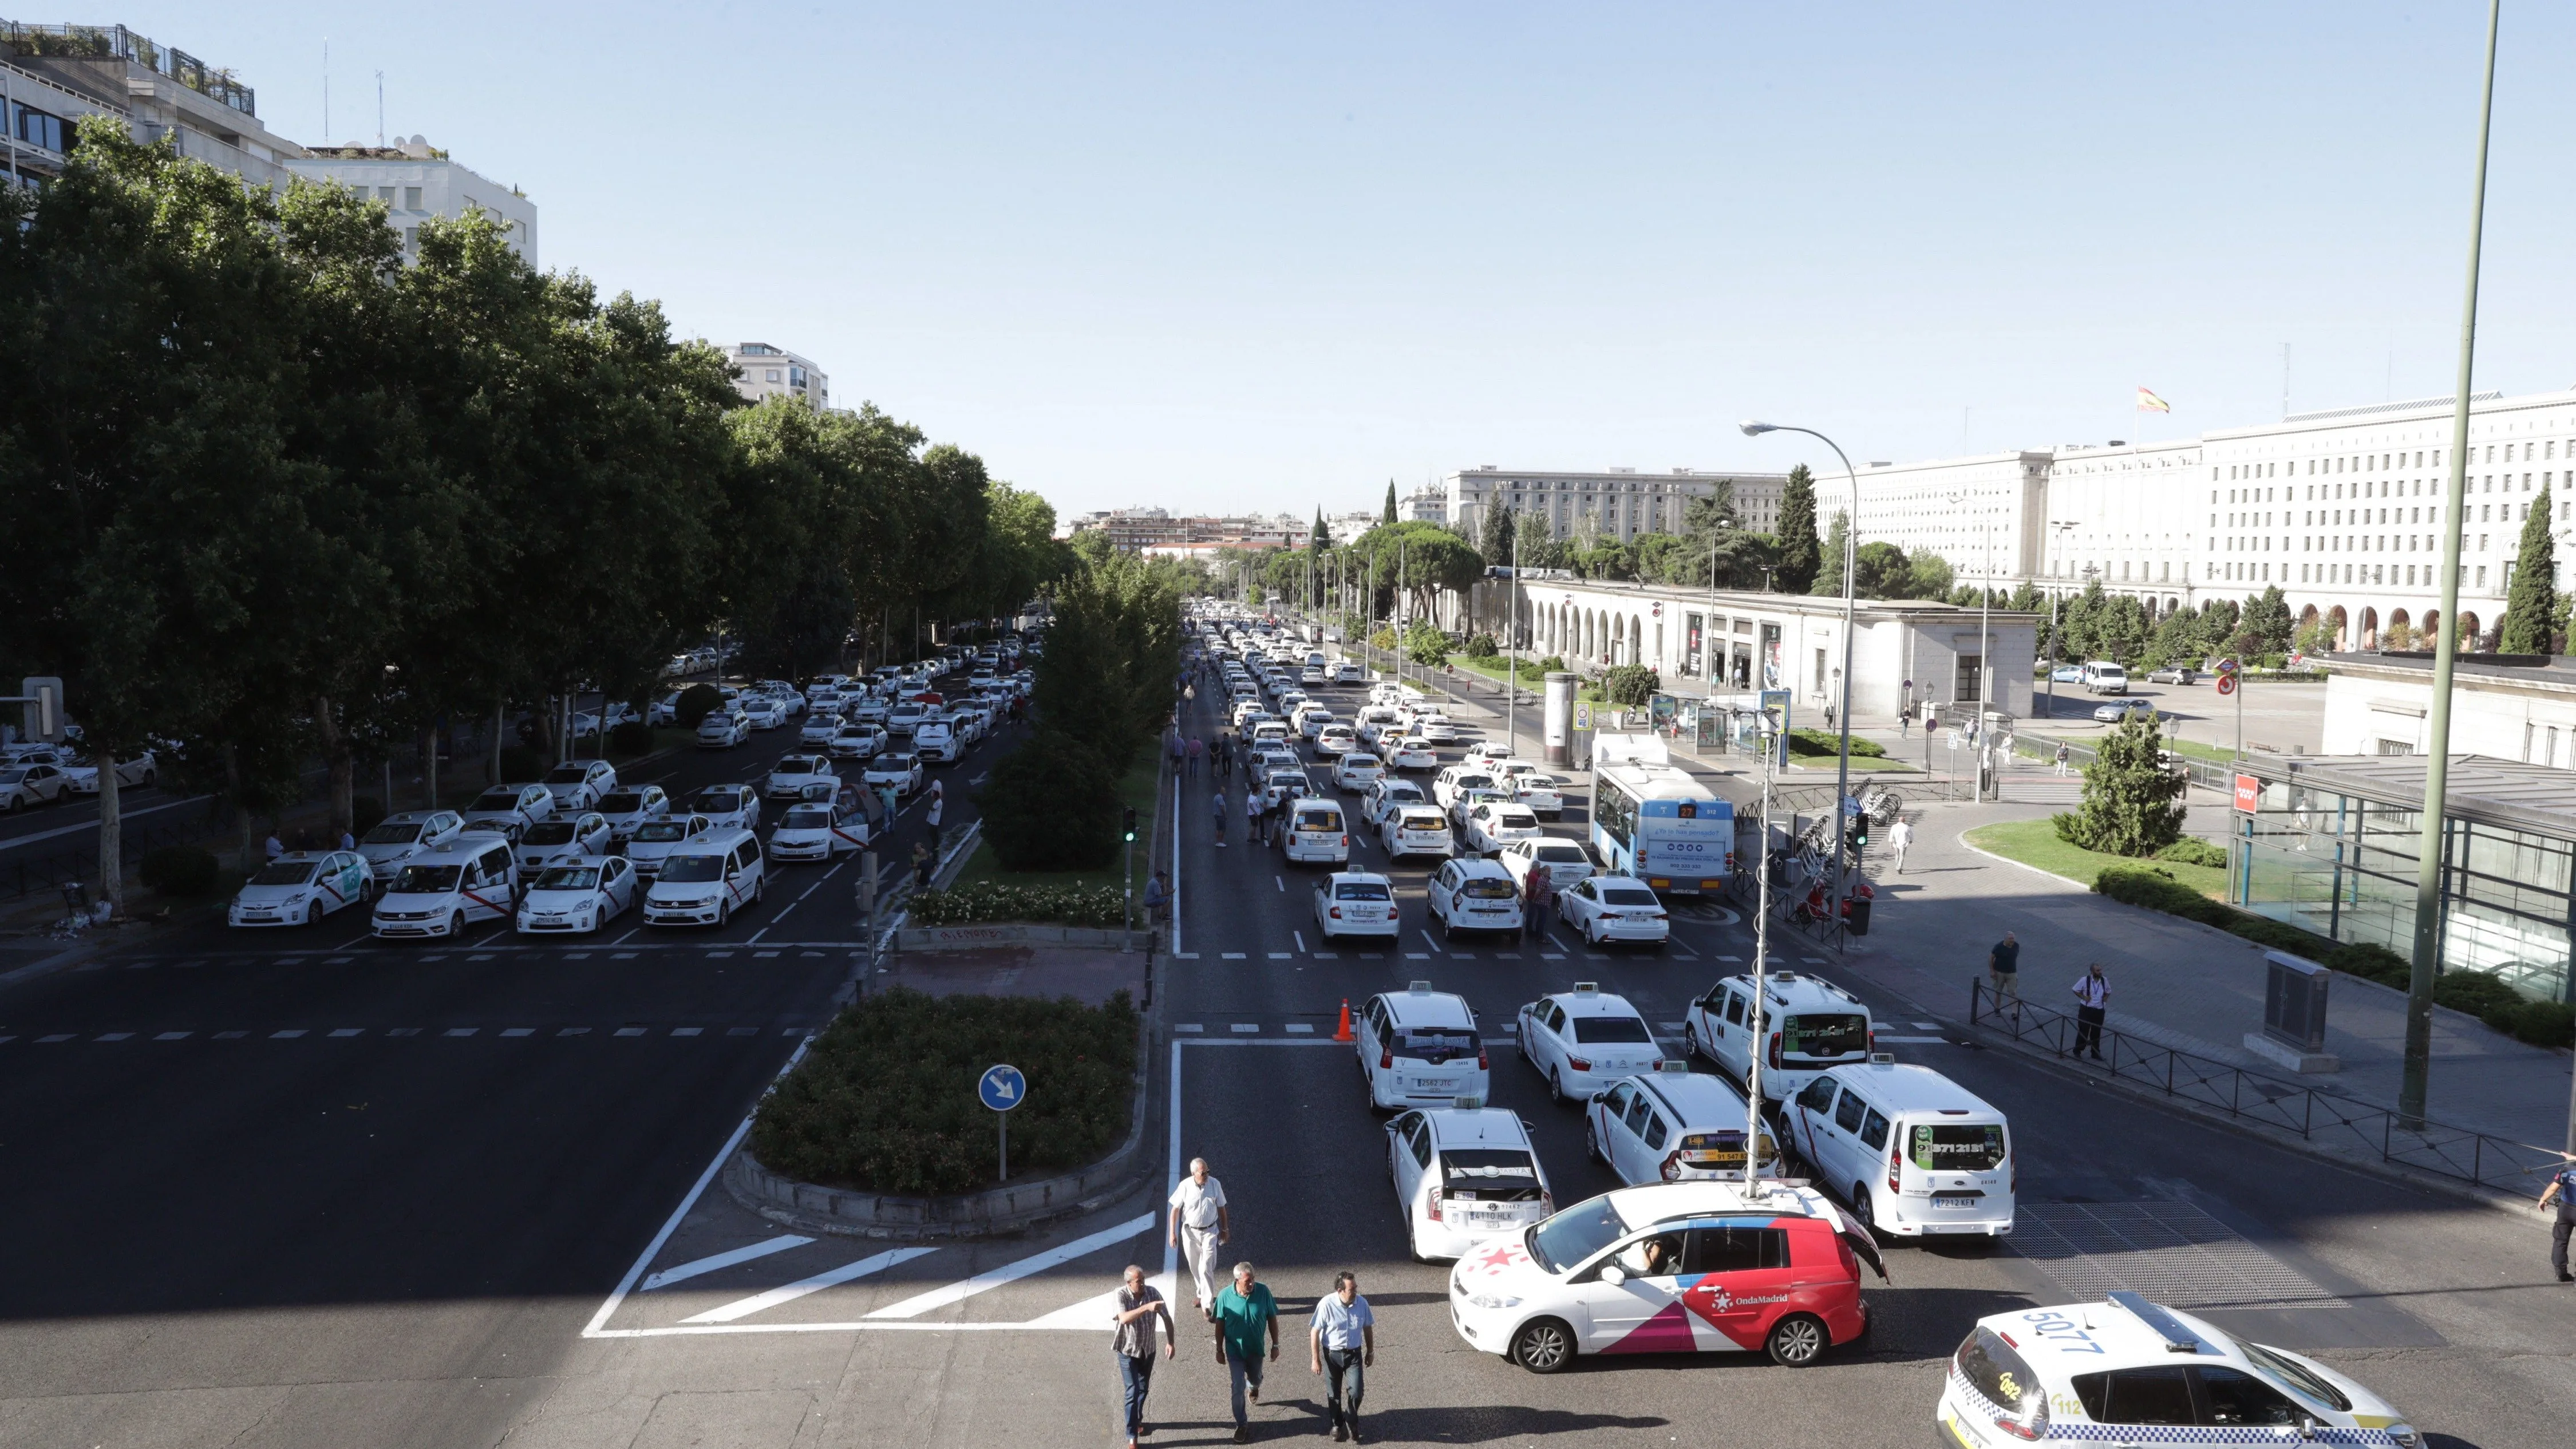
(983, 902)
(885, 1100)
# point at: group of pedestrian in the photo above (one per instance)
(2092, 992)
(1243, 1320)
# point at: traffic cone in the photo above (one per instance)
(1343, 1032)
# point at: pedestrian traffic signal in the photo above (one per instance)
(1131, 825)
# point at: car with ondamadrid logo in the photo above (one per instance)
(1674, 1267)
(441, 891)
(705, 881)
(1356, 903)
(1583, 1040)
(1419, 1047)
(579, 893)
(300, 888)
(1673, 1124)
(1463, 1175)
(2133, 1372)
(400, 836)
(655, 839)
(1605, 908)
(826, 824)
(629, 806)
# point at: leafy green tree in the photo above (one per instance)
(2530, 624)
(1425, 645)
(1929, 576)
(1051, 804)
(2132, 803)
(1802, 559)
(2218, 619)
(2027, 599)
(1882, 572)
(2122, 630)
(2267, 621)
(1389, 516)
(1495, 540)
(2176, 640)
(1629, 685)
(1828, 577)
(1540, 547)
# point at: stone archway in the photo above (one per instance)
(2401, 630)
(2429, 632)
(2336, 620)
(2470, 633)
(2369, 629)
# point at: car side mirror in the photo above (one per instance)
(1614, 1275)
(2308, 1427)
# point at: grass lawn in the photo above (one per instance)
(1531, 678)
(1137, 790)
(1861, 764)
(2035, 843)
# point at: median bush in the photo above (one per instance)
(628, 738)
(1823, 742)
(984, 901)
(180, 870)
(693, 704)
(1051, 805)
(885, 1101)
(1482, 647)
(1630, 685)
(2192, 850)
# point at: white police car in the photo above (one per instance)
(1583, 1040)
(2129, 1372)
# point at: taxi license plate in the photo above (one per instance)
(1961, 1203)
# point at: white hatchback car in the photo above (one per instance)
(727, 807)
(630, 806)
(1356, 903)
(1388, 796)
(901, 770)
(1412, 752)
(1563, 860)
(1671, 1124)
(722, 729)
(399, 837)
(1356, 770)
(578, 784)
(655, 839)
(1421, 1048)
(1583, 1040)
(821, 829)
(1468, 894)
(789, 777)
(1463, 1175)
(1541, 793)
(300, 888)
(857, 741)
(1415, 830)
(513, 808)
(1621, 908)
(578, 894)
(565, 837)
(2132, 1372)
(1493, 824)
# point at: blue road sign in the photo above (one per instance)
(1002, 1087)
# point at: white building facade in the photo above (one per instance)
(415, 181)
(1616, 503)
(54, 75)
(774, 371)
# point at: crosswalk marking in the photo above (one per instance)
(684, 1031)
(1245, 1028)
(114, 1035)
(1915, 1039)
(347, 1031)
(630, 1031)
(715, 1261)
(1094, 1313)
(790, 1292)
(1232, 955)
(1281, 955)
(1302, 1028)
(287, 1035)
(165, 1036)
(921, 1303)
(1189, 1026)
(462, 1030)
(574, 1031)
(219, 1036)
(518, 1031)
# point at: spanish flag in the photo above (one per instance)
(2148, 402)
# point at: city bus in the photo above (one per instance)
(1653, 821)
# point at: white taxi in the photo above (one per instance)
(1463, 1175)
(1672, 1124)
(824, 825)
(1583, 1040)
(1541, 793)
(1563, 860)
(1415, 830)
(1412, 752)
(629, 806)
(728, 807)
(1605, 908)
(1357, 770)
(1468, 894)
(1356, 903)
(1436, 728)
(2132, 1372)
(581, 893)
(1493, 824)
(1315, 833)
(1420, 1047)
(788, 778)
(551, 842)
(399, 837)
(655, 839)
(300, 888)
(1388, 796)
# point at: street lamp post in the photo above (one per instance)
(1851, 554)
(2057, 529)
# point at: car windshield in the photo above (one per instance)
(1820, 1035)
(1956, 1146)
(430, 880)
(284, 873)
(687, 868)
(552, 832)
(569, 878)
(1403, 790)
(497, 800)
(892, 765)
(391, 833)
(1627, 896)
(807, 817)
(1574, 1235)
(795, 765)
(1611, 1030)
(717, 801)
(1361, 890)
(624, 802)
(1559, 854)
(568, 774)
(661, 831)
(2301, 1379)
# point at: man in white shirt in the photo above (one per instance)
(2092, 1000)
(1900, 835)
(1200, 1226)
(1343, 1342)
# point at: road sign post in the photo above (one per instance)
(1002, 1088)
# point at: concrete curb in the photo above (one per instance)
(968, 938)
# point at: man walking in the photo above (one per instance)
(1138, 1306)
(1220, 819)
(1899, 836)
(1245, 1314)
(2003, 970)
(1200, 1226)
(2092, 1001)
(2562, 1190)
(2062, 757)
(1158, 896)
(1342, 1343)
(1538, 895)
(922, 862)
(1198, 752)
(1256, 805)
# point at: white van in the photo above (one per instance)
(445, 888)
(1316, 833)
(1807, 1024)
(2101, 676)
(1913, 1152)
(705, 881)
(935, 742)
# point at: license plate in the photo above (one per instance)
(1960, 1203)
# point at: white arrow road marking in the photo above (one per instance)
(790, 1292)
(921, 1303)
(723, 1260)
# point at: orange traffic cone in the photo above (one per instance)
(1343, 1032)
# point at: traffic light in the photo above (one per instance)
(1131, 825)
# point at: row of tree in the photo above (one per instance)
(268, 492)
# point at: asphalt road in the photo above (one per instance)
(488, 1239)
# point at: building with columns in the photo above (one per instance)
(1618, 503)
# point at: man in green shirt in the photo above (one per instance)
(1244, 1314)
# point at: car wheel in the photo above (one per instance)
(724, 914)
(1543, 1346)
(1798, 1340)
(1555, 1085)
(1592, 1140)
(17, 804)
(1690, 1041)
(148, 778)
(1862, 1210)
(312, 913)
(1413, 1239)
(456, 924)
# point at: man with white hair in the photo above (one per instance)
(1200, 1226)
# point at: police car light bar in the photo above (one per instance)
(2178, 1339)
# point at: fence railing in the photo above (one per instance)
(2454, 1152)
(24, 873)
(2208, 774)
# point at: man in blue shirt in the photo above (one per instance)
(1243, 1314)
(1342, 1343)
(2562, 1190)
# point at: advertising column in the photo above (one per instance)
(1558, 728)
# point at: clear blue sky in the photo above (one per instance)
(1217, 257)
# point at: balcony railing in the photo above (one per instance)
(115, 42)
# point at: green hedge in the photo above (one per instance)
(980, 902)
(2480, 993)
(2192, 850)
(885, 1099)
(693, 704)
(1826, 742)
(181, 870)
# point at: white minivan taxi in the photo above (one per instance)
(441, 891)
(1807, 1023)
(1463, 1175)
(705, 881)
(1914, 1153)
(2133, 1372)
(1316, 833)
(1469, 894)
(1420, 1047)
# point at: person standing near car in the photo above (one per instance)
(938, 801)
(1539, 898)
(2003, 969)
(1342, 1344)
(1138, 1306)
(2092, 1004)
(1244, 1316)
(2562, 1190)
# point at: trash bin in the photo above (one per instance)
(75, 897)
(1858, 924)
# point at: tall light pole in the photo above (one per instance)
(2437, 756)
(1985, 666)
(2057, 529)
(1851, 555)
(1512, 646)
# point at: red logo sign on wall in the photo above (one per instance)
(2249, 793)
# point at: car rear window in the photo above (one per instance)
(1627, 896)
(1486, 888)
(1815, 1034)
(1319, 820)
(1993, 1369)
(1489, 1174)
(1956, 1146)
(1611, 1031)
(1435, 1044)
(1425, 821)
(1559, 854)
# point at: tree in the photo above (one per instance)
(1629, 685)
(1051, 804)
(2027, 599)
(2122, 630)
(2267, 622)
(2217, 625)
(1930, 576)
(1880, 571)
(2531, 601)
(1425, 645)
(2132, 803)
(2177, 638)
(1495, 540)
(1389, 515)
(1540, 547)
(1801, 558)
(1828, 575)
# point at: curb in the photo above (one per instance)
(1005, 933)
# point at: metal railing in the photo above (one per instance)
(26, 873)
(2454, 1152)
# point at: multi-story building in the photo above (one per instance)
(58, 74)
(1618, 503)
(1137, 530)
(770, 371)
(416, 181)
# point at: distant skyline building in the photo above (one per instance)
(770, 371)
(1618, 503)
(59, 74)
(416, 181)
